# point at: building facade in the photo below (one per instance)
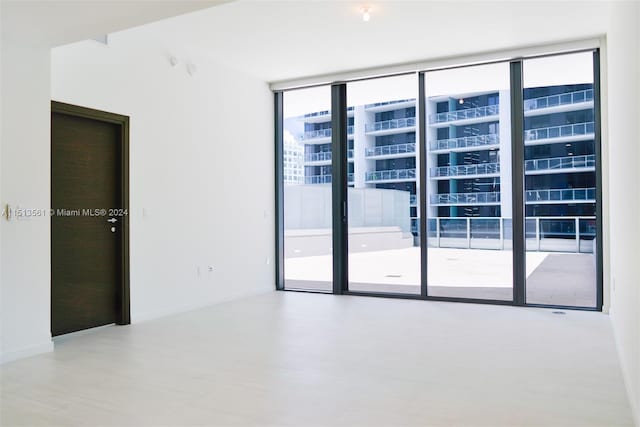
(469, 160)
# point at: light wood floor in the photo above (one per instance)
(302, 359)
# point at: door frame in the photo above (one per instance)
(124, 305)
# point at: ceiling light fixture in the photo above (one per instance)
(366, 13)
(461, 101)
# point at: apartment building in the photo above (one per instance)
(467, 136)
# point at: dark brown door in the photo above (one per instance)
(86, 222)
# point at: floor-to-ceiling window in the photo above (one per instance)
(560, 180)
(469, 206)
(470, 183)
(305, 155)
(382, 199)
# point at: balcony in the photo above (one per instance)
(317, 179)
(324, 157)
(396, 150)
(469, 115)
(549, 135)
(492, 198)
(560, 102)
(322, 135)
(466, 170)
(560, 165)
(317, 136)
(466, 143)
(391, 126)
(570, 195)
(391, 175)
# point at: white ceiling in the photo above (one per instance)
(279, 40)
(54, 22)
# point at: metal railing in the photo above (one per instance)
(384, 150)
(317, 179)
(462, 170)
(323, 156)
(576, 129)
(320, 133)
(465, 198)
(391, 124)
(560, 195)
(561, 163)
(469, 113)
(559, 99)
(394, 174)
(318, 157)
(324, 179)
(553, 234)
(464, 142)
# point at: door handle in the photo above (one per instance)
(112, 220)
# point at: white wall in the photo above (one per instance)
(622, 118)
(197, 145)
(24, 180)
(201, 168)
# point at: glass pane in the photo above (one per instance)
(560, 180)
(307, 189)
(469, 182)
(384, 248)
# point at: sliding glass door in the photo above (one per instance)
(560, 180)
(306, 176)
(469, 209)
(474, 183)
(383, 241)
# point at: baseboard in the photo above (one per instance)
(33, 350)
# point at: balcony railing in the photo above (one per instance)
(465, 198)
(552, 234)
(317, 179)
(561, 195)
(323, 133)
(465, 142)
(559, 131)
(462, 170)
(320, 133)
(561, 163)
(469, 113)
(323, 179)
(324, 156)
(318, 157)
(394, 174)
(391, 124)
(391, 149)
(557, 100)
